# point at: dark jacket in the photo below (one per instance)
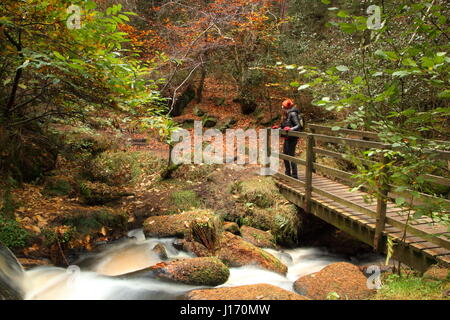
(293, 120)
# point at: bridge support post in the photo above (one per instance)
(268, 148)
(309, 171)
(381, 206)
(313, 131)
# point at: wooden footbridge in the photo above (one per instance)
(325, 192)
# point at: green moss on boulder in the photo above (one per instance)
(176, 225)
(236, 252)
(204, 271)
(259, 238)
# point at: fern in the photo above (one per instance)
(390, 249)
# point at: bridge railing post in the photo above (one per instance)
(381, 205)
(313, 131)
(309, 171)
(268, 147)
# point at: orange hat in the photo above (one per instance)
(288, 103)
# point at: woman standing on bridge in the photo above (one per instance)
(292, 120)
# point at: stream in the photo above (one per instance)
(95, 275)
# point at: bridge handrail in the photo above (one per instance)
(361, 133)
(373, 214)
(385, 191)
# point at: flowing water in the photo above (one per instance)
(95, 275)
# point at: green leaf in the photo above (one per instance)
(59, 56)
(304, 86)
(400, 201)
(124, 17)
(90, 5)
(409, 62)
(343, 14)
(342, 68)
(348, 27)
(357, 80)
(386, 54)
(444, 94)
(401, 73)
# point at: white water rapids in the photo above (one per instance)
(97, 281)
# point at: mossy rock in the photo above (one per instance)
(234, 251)
(57, 186)
(87, 221)
(161, 251)
(259, 238)
(78, 143)
(205, 271)
(96, 193)
(282, 220)
(260, 191)
(175, 225)
(231, 227)
(185, 199)
(116, 168)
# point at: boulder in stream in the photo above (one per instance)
(344, 280)
(175, 225)
(259, 238)
(161, 251)
(205, 271)
(260, 291)
(232, 227)
(234, 251)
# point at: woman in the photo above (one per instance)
(292, 120)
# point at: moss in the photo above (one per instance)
(412, 287)
(57, 187)
(260, 191)
(176, 225)
(87, 221)
(12, 234)
(185, 199)
(81, 143)
(122, 168)
(281, 220)
(213, 274)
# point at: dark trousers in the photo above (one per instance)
(289, 149)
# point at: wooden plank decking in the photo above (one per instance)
(417, 252)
